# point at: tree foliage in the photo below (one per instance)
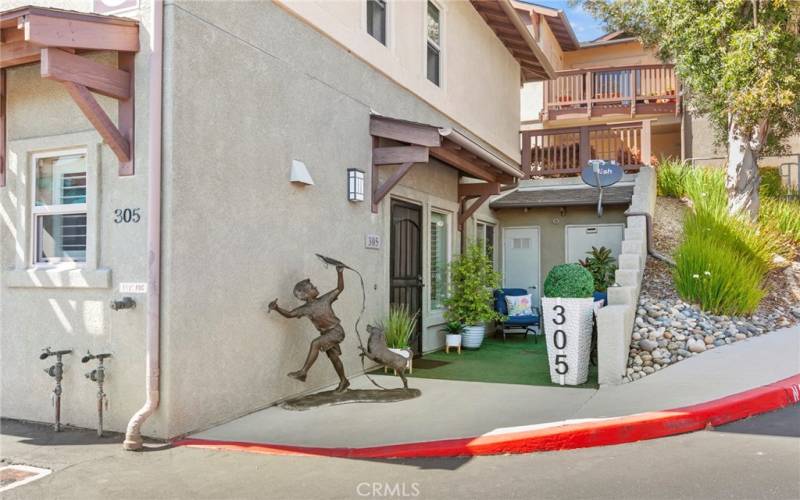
(739, 60)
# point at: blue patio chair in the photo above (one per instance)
(516, 324)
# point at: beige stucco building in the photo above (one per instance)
(196, 156)
(614, 80)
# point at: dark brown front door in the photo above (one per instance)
(405, 286)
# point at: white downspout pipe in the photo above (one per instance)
(133, 436)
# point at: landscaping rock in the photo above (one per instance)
(647, 344)
(669, 330)
(695, 345)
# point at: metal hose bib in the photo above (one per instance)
(57, 372)
(98, 375)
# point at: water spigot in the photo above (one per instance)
(125, 303)
(46, 353)
(100, 357)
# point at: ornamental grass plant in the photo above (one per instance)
(399, 326)
(723, 259)
(782, 216)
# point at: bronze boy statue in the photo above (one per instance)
(320, 311)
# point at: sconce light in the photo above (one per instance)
(299, 174)
(355, 184)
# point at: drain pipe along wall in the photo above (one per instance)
(133, 436)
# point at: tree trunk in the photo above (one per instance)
(743, 179)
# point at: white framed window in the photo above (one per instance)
(59, 215)
(440, 257)
(485, 237)
(433, 38)
(377, 14)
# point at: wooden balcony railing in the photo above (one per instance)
(560, 151)
(629, 90)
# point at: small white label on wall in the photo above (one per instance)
(133, 288)
(373, 241)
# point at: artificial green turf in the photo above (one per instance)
(518, 360)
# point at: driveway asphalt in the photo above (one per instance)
(750, 459)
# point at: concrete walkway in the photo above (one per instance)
(451, 409)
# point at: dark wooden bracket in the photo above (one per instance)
(405, 156)
(482, 191)
(80, 77)
(380, 192)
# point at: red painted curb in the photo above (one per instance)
(616, 430)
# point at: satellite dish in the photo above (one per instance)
(600, 174)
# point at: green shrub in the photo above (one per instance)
(472, 281)
(399, 326)
(719, 278)
(569, 281)
(781, 216)
(771, 183)
(670, 177)
(601, 264)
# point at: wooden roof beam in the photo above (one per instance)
(412, 133)
(54, 31)
(452, 158)
(475, 189)
(61, 66)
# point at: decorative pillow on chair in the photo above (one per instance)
(519, 305)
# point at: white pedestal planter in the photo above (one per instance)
(452, 340)
(472, 338)
(568, 332)
(406, 353)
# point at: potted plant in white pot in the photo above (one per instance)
(452, 337)
(472, 281)
(399, 327)
(567, 307)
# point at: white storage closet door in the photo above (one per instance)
(581, 238)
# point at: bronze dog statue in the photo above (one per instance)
(378, 352)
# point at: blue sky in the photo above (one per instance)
(585, 26)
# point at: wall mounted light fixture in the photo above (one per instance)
(299, 173)
(355, 184)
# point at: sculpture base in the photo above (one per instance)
(328, 398)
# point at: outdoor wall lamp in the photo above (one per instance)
(299, 174)
(355, 184)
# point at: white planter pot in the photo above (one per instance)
(452, 340)
(472, 338)
(568, 352)
(406, 353)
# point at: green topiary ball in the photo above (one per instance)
(569, 281)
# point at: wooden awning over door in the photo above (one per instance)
(419, 141)
(57, 39)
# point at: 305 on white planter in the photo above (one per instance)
(568, 333)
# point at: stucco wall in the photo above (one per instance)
(621, 54)
(267, 89)
(700, 144)
(666, 141)
(69, 309)
(552, 223)
(475, 62)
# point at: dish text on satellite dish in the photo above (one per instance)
(601, 173)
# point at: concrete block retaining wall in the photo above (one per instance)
(615, 321)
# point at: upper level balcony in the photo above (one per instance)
(623, 91)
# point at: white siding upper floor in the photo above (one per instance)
(480, 80)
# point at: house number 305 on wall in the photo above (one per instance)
(126, 216)
(560, 340)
